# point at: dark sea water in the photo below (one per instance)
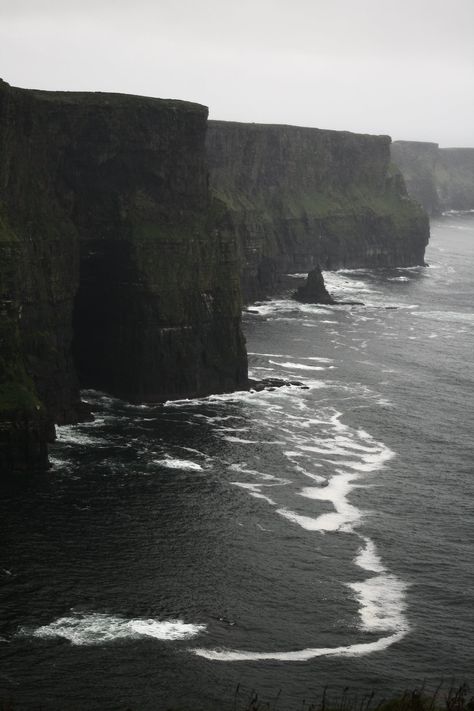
(282, 540)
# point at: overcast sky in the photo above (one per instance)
(402, 67)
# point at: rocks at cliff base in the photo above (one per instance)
(119, 269)
(298, 197)
(126, 236)
(274, 383)
(314, 290)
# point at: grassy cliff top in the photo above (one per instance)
(290, 127)
(101, 98)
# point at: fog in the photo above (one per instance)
(372, 66)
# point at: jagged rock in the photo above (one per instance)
(273, 383)
(314, 290)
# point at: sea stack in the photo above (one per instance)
(314, 290)
(298, 197)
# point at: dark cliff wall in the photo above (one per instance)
(438, 178)
(455, 178)
(302, 196)
(109, 238)
(417, 161)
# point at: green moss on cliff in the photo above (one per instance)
(17, 390)
(298, 197)
(105, 236)
(438, 178)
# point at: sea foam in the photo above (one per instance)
(382, 603)
(182, 464)
(97, 628)
(302, 655)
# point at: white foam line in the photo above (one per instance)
(368, 559)
(256, 495)
(275, 480)
(281, 355)
(254, 490)
(298, 366)
(70, 434)
(183, 464)
(303, 655)
(327, 522)
(97, 628)
(355, 454)
(305, 472)
(371, 463)
(382, 603)
(195, 451)
(240, 440)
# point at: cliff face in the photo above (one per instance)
(117, 270)
(438, 178)
(418, 161)
(298, 197)
(455, 178)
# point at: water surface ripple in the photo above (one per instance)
(284, 539)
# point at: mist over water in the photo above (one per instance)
(285, 539)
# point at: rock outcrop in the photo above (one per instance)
(117, 269)
(314, 289)
(437, 178)
(298, 197)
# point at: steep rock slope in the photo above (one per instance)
(417, 160)
(298, 197)
(455, 178)
(109, 238)
(438, 178)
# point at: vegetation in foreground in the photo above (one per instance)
(453, 698)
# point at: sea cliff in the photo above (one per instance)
(117, 268)
(298, 197)
(438, 178)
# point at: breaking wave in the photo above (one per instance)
(97, 628)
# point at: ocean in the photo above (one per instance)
(191, 554)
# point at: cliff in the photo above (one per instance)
(117, 268)
(417, 162)
(455, 178)
(298, 197)
(438, 178)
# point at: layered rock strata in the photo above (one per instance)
(455, 178)
(298, 197)
(417, 161)
(117, 269)
(438, 178)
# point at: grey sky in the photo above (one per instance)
(402, 67)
